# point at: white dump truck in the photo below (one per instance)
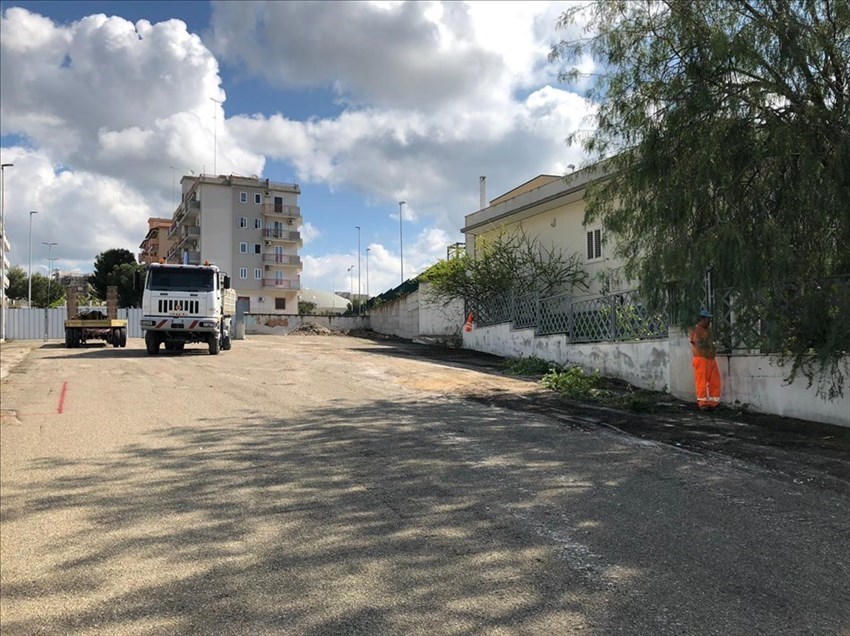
(184, 304)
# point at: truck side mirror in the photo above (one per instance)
(137, 280)
(227, 282)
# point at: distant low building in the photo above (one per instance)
(156, 243)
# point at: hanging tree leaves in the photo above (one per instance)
(726, 128)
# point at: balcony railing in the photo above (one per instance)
(275, 209)
(281, 235)
(282, 283)
(282, 259)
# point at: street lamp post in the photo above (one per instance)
(49, 273)
(359, 291)
(400, 239)
(351, 286)
(3, 251)
(368, 249)
(29, 277)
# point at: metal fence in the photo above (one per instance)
(29, 324)
(599, 318)
(806, 309)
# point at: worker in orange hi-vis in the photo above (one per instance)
(706, 373)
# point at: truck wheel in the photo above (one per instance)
(123, 336)
(213, 344)
(116, 338)
(169, 346)
(178, 346)
(151, 343)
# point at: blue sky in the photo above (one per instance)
(363, 104)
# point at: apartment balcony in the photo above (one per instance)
(282, 260)
(282, 283)
(189, 236)
(282, 236)
(193, 209)
(280, 210)
(194, 257)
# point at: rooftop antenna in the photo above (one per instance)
(215, 135)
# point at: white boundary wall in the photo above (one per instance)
(283, 324)
(665, 365)
(411, 316)
(28, 324)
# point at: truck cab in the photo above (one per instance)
(184, 304)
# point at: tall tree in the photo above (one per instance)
(18, 288)
(103, 266)
(122, 277)
(726, 125)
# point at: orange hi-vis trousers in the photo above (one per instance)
(707, 382)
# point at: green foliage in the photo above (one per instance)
(510, 262)
(121, 277)
(17, 289)
(573, 383)
(531, 365)
(40, 289)
(306, 307)
(104, 263)
(725, 130)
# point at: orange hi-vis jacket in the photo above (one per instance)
(702, 343)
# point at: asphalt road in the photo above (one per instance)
(333, 485)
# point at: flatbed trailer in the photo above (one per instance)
(78, 331)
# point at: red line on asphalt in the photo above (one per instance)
(62, 398)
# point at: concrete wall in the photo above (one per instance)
(281, 325)
(399, 317)
(644, 364)
(665, 365)
(437, 320)
(414, 316)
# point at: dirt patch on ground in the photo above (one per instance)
(313, 329)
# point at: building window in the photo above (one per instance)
(258, 249)
(258, 198)
(243, 197)
(243, 247)
(258, 224)
(258, 273)
(280, 303)
(243, 221)
(594, 245)
(243, 272)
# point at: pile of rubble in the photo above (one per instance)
(312, 329)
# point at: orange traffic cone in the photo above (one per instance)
(468, 325)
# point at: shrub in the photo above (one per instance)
(531, 365)
(573, 383)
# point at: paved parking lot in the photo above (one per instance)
(324, 485)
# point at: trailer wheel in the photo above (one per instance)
(151, 343)
(123, 336)
(116, 338)
(67, 338)
(213, 344)
(76, 337)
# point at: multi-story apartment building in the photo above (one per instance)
(249, 228)
(157, 243)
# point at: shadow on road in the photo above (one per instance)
(456, 520)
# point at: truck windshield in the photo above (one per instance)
(179, 279)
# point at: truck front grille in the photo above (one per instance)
(167, 305)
